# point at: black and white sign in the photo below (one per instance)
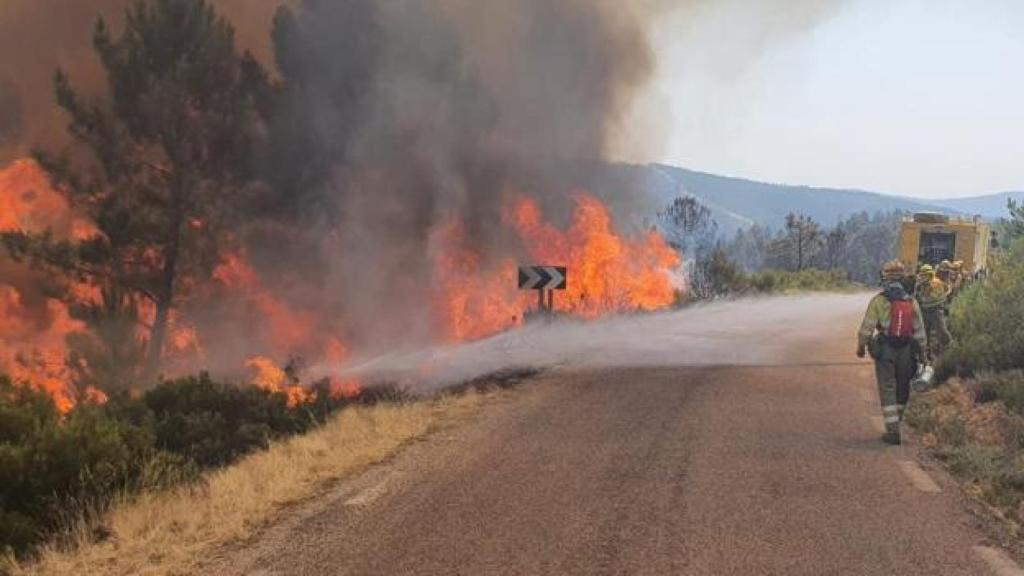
(542, 277)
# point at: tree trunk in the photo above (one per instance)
(164, 301)
(799, 252)
(157, 336)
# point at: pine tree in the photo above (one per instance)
(159, 166)
(1015, 223)
(804, 235)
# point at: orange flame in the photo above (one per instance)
(608, 273)
(32, 335)
(286, 328)
(337, 352)
(473, 302)
(474, 295)
(36, 354)
(269, 376)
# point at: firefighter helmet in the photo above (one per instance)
(893, 270)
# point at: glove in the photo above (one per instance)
(861, 351)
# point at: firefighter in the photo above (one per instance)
(963, 276)
(933, 295)
(893, 331)
(945, 272)
(949, 275)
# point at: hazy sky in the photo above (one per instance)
(915, 97)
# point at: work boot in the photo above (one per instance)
(892, 434)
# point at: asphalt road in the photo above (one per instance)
(696, 470)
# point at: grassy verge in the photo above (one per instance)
(975, 422)
(167, 532)
(721, 277)
(976, 427)
(810, 280)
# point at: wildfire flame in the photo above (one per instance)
(34, 353)
(475, 295)
(338, 353)
(269, 376)
(473, 302)
(285, 328)
(608, 272)
(32, 333)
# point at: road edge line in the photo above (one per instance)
(918, 477)
(998, 561)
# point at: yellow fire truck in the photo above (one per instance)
(930, 238)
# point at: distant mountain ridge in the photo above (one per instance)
(638, 191)
(738, 202)
(989, 206)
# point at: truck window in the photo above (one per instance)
(936, 247)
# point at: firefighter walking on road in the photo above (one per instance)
(894, 334)
(933, 296)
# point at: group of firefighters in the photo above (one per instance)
(904, 328)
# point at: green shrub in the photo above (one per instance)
(53, 468)
(983, 444)
(1007, 387)
(983, 463)
(724, 276)
(810, 279)
(719, 276)
(987, 320)
(213, 423)
(57, 469)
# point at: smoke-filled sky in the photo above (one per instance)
(912, 97)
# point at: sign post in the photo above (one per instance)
(545, 280)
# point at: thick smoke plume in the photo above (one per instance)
(403, 132)
(412, 124)
(37, 36)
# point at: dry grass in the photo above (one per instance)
(982, 443)
(169, 532)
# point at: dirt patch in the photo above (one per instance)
(968, 428)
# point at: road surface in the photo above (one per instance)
(694, 468)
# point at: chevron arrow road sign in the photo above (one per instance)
(542, 277)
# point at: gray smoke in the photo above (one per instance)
(757, 332)
(37, 36)
(400, 118)
(409, 116)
